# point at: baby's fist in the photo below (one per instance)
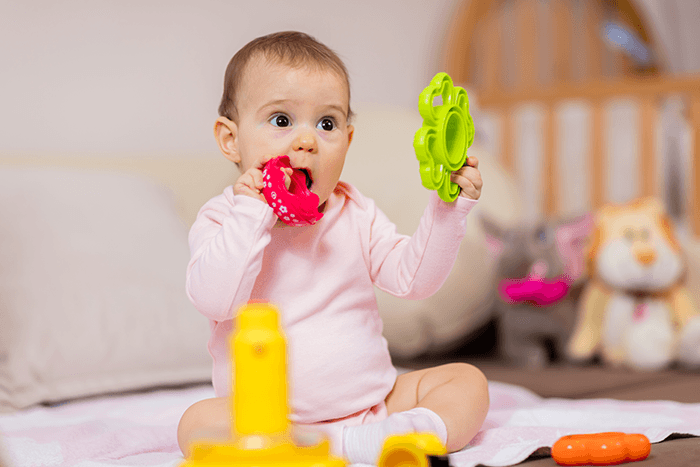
(250, 184)
(469, 179)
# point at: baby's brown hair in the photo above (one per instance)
(292, 48)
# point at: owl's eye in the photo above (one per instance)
(541, 235)
(644, 234)
(629, 234)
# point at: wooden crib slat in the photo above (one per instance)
(598, 169)
(550, 179)
(563, 25)
(493, 66)
(583, 70)
(648, 147)
(695, 164)
(508, 144)
(463, 32)
(526, 45)
(593, 44)
(607, 89)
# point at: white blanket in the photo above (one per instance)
(140, 429)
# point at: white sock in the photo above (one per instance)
(363, 443)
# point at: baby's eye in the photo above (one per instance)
(326, 124)
(280, 120)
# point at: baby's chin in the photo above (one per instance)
(322, 197)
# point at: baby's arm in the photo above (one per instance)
(416, 267)
(227, 242)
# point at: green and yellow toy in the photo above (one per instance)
(448, 130)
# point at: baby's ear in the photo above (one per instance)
(226, 134)
(351, 133)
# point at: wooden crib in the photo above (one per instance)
(532, 61)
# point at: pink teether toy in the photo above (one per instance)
(541, 291)
(296, 206)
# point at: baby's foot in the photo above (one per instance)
(363, 444)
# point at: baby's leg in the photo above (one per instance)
(456, 392)
(208, 419)
(450, 401)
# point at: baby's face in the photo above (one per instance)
(299, 112)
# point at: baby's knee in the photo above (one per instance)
(468, 373)
(206, 419)
(473, 380)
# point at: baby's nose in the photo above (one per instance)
(305, 141)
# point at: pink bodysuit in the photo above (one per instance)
(321, 278)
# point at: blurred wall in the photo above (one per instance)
(144, 77)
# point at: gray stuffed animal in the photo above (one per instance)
(539, 275)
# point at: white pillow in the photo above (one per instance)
(92, 298)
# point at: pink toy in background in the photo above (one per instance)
(539, 274)
(294, 206)
(534, 288)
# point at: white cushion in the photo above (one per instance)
(92, 299)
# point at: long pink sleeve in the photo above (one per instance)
(416, 267)
(227, 242)
(321, 277)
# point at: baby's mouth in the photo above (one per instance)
(306, 173)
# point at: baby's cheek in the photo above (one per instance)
(331, 137)
(274, 133)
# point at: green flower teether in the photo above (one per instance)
(448, 130)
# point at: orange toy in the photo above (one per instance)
(601, 449)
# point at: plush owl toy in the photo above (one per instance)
(635, 310)
(539, 275)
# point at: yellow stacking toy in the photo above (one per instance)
(260, 429)
(412, 450)
(448, 130)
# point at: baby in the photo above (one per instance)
(287, 94)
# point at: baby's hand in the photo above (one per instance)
(251, 182)
(469, 179)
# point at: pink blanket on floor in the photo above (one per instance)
(140, 429)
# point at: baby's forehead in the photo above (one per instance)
(253, 78)
(262, 62)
